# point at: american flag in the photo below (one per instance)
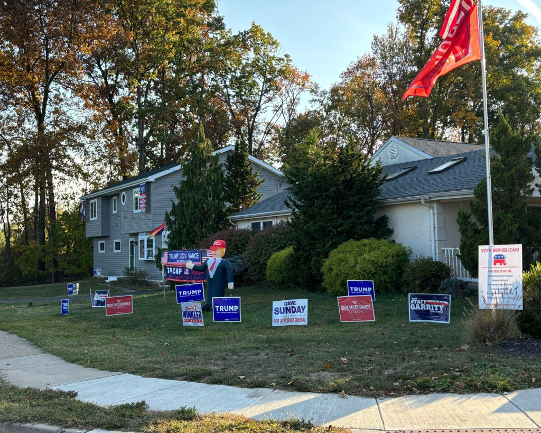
(205, 255)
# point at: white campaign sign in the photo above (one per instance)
(291, 312)
(500, 277)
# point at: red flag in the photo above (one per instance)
(450, 18)
(460, 46)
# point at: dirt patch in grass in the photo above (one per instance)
(521, 347)
(326, 376)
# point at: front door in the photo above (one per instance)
(132, 253)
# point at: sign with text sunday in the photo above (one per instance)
(356, 308)
(427, 307)
(118, 305)
(291, 312)
(361, 287)
(192, 314)
(226, 309)
(500, 277)
(190, 293)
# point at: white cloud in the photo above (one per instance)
(531, 8)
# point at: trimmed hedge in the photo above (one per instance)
(458, 289)
(425, 275)
(382, 261)
(281, 269)
(529, 318)
(236, 241)
(261, 248)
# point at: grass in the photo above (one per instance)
(60, 408)
(51, 290)
(387, 357)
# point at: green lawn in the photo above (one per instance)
(387, 357)
(51, 290)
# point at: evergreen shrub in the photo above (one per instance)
(239, 269)
(425, 275)
(379, 260)
(236, 241)
(529, 319)
(262, 246)
(458, 289)
(281, 270)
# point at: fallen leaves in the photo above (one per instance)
(343, 360)
(327, 366)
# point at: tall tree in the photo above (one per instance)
(200, 207)
(332, 198)
(241, 182)
(512, 183)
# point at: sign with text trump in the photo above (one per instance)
(226, 309)
(118, 305)
(356, 308)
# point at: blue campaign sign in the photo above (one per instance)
(65, 306)
(226, 309)
(73, 289)
(361, 288)
(183, 256)
(426, 307)
(190, 293)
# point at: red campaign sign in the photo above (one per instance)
(119, 305)
(356, 308)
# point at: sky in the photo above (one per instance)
(324, 37)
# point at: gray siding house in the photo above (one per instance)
(119, 222)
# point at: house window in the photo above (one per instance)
(118, 245)
(146, 247)
(115, 204)
(267, 224)
(101, 246)
(123, 198)
(448, 165)
(136, 193)
(256, 227)
(93, 209)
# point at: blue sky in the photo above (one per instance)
(323, 37)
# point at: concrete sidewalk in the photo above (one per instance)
(24, 365)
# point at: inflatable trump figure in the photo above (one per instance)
(219, 273)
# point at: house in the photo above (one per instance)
(120, 217)
(428, 182)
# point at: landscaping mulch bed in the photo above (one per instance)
(521, 347)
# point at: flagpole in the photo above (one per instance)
(485, 118)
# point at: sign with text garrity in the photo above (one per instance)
(361, 287)
(65, 307)
(428, 307)
(119, 305)
(226, 309)
(190, 293)
(175, 266)
(356, 308)
(500, 277)
(192, 314)
(290, 312)
(99, 298)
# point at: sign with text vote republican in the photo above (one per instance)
(356, 308)
(226, 309)
(190, 293)
(118, 305)
(361, 287)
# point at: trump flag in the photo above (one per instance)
(460, 45)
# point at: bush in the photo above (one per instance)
(281, 269)
(262, 246)
(382, 261)
(239, 269)
(425, 275)
(135, 275)
(529, 319)
(458, 289)
(236, 241)
(488, 326)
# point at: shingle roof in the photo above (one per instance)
(463, 176)
(437, 148)
(276, 203)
